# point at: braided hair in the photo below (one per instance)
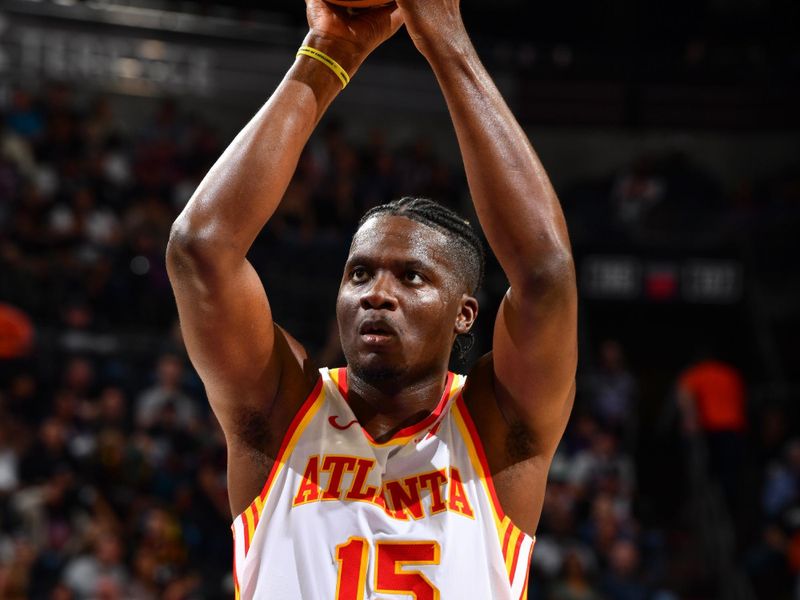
(465, 245)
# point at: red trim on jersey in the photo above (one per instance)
(341, 381)
(246, 527)
(335, 424)
(412, 430)
(312, 398)
(506, 538)
(478, 445)
(487, 476)
(433, 430)
(256, 513)
(518, 545)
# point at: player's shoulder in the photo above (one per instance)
(480, 397)
(480, 378)
(297, 368)
(299, 377)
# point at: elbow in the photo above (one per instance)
(552, 273)
(184, 242)
(193, 247)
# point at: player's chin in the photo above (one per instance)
(375, 367)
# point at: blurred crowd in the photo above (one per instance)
(590, 543)
(112, 467)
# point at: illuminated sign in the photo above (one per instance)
(124, 63)
(693, 280)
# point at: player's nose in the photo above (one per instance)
(379, 294)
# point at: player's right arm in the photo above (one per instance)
(244, 360)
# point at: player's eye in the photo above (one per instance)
(358, 275)
(413, 277)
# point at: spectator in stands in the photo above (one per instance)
(611, 388)
(774, 562)
(602, 460)
(712, 402)
(145, 583)
(18, 151)
(100, 574)
(767, 564)
(15, 569)
(79, 377)
(166, 394)
(161, 537)
(9, 478)
(621, 582)
(23, 395)
(49, 455)
(782, 486)
(24, 118)
(92, 228)
(773, 432)
(112, 410)
(574, 583)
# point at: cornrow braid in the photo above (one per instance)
(467, 246)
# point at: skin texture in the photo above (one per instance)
(399, 276)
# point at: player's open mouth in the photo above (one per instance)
(375, 332)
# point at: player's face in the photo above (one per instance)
(401, 301)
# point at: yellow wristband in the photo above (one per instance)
(327, 61)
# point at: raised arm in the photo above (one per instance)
(224, 313)
(535, 336)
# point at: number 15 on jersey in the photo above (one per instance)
(391, 573)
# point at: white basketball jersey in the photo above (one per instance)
(343, 517)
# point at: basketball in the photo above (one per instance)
(359, 3)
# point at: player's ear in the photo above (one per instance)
(467, 313)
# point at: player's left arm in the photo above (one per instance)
(535, 336)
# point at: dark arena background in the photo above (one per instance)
(671, 131)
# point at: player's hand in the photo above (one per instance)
(357, 32)
(433, 23)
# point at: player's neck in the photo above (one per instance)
(387, 406)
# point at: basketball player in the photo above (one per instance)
(390, 477)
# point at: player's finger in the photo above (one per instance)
(393, 12)
(398, 18)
